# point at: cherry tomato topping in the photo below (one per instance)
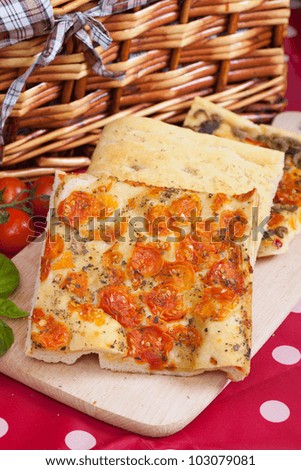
(186, 207)
(107, 205)
(235, 222)
(245, 196)
(289, 189)
(185, 252)
(165, 302)
(157, 217)
(196, 252)
(65, 262)
(275, 220)
(88, 312)
(181, 273)
(207, 232)
(52, 335)
(147, 260)
(76, 283)
(117, 302)
(218, 201)
(79, 206)
(227, 274)
(187, 335)
(54, 246)
(150, 344)
(45, 268)
(215, 303)
(116, 276)
(111, 256)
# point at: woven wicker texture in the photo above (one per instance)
(170, 51)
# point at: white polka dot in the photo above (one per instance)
(291, 32)
(3, 427)
(274, 411)
(297, 307)
(286, 58)
(287, 355)
(80, 440)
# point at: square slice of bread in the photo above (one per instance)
(171, 298)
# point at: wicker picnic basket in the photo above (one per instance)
(169, 51)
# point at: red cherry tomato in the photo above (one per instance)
(12, 190)
(120, 304)
(150, 344)
(43, 190)
(16, 232)
(147, 260)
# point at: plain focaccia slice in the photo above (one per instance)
(151, 301)
(285, 221)
(153, 152)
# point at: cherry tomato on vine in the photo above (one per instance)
(42, 190)
(13, 189)
(16, 230)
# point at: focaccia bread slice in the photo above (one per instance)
(153, 152)
(152, 279)
(285, 221)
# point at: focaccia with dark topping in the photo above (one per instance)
(285, 221)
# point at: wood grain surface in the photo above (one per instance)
(146, 404)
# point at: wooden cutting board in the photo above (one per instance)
(148, 405)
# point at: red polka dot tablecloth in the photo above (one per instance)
(262, 412)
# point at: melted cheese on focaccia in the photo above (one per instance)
(124, 271)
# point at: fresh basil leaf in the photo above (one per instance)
(9, 276)
(6, 337)
(10, 310)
